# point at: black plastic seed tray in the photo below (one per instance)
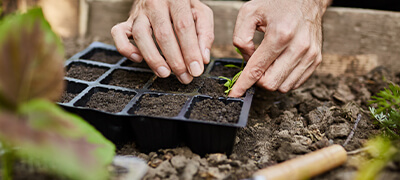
(124, 122)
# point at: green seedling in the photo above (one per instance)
(230, 82)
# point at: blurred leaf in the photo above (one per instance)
(231, 66)
(31, 60)
(60, 141)
(382, 150)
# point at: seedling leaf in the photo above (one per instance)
(28, 48)
(59, 141)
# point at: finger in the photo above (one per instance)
(308, 72)
(161, 22)
(185, 30)
(286, 63)
(141, 33)
(273, 44)
(120, 33)
(297, 73)
(204, 21)
(245, 28)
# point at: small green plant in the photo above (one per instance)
(384, 147)
(32, 127)
(387, 112)
(230, 82)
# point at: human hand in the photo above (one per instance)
(291, 48)
(191, 20)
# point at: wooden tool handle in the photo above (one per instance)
(306, 166)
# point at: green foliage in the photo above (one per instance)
(230, 82)
(31, 127)
(387, 112)
(382, 149)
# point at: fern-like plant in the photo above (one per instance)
(387, 112)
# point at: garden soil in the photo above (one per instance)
(321, 112)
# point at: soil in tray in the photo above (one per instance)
(67, 97)
(129, 63)
(172, 84)
(221, 70)
(213, 88)
(128, 79)
(87, 73)
(110, 101)
(166, 105)
(216, 110)
(110, 57)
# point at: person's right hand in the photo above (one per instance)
(191, 20)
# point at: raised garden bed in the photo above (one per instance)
(129, 103)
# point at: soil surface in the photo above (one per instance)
(128, 79)
(87, 73)
(111, 101)
(221, 70)
(129, 63)
(283, 126)
(213, 88)
(67, 97)
(165, 105)
(110, 57)
(216, 110)
(172, 84)
(280, 127)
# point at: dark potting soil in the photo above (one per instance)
(213, 88)
(67, 97)
(166, 105)
(109, 57)
(221, 70)
(87, 73)
(216, 110)
(129, 79)
(172, 84)
(129, 63)
(110, 101)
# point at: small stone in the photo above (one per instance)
(302, 140)
(299, 148)
(236, 163)
(264, 159)
(216, 158)
(165, 169)
(190, 170)
(225, 167)
(178, 161)
(144, 156)
(155, 162)
(284, 135)
(338, 130)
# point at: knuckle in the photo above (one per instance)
(163, 34)
(303, 47)
(256, 73)
(285, 35)
(270, 86)
(318, 61)
(238, 42)
(209, 36)
(182, 25)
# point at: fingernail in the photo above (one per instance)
(135, 57)
(163, 71)
(185, 78)
(195, 69)
(207, 55)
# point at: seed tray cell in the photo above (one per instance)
(150, 111)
